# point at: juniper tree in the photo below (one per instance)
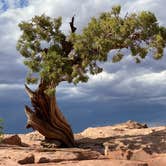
(53, 57)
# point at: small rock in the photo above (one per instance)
(30, 159)
(12, 140)
(142, 164)
(135, 125)
(44, 160)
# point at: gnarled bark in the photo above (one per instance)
(47, 118)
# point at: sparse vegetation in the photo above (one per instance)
(1, 129)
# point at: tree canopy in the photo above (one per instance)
(52, 56)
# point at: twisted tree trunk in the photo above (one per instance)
(47, 118)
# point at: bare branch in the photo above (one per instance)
(29, 91)
(73, 28)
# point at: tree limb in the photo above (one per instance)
(73, 28)
(29, 91)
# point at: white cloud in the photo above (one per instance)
(11, 86)
(118, 80)
(153, 78)
(71, 92)
(155, 6)
(119, 86)
(1, 6)
(103, 78)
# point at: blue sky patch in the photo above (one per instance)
(6, 4)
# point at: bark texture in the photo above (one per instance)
(47, 118)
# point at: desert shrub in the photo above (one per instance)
(1, 129)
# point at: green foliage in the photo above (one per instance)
(53, 56)
(117, 57)
(116, 10)
(50, 91)
(1, 129)
(139, 33)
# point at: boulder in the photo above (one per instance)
(135, 125)
(44, 160)
(30, 159)
(12, 140)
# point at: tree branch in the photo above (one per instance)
(67, 46)
(73, 28)
(29, 91)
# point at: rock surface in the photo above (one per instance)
(126, 144)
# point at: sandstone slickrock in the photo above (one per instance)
(140, 155)
(126, 144)
(105, 162)
(158, 161)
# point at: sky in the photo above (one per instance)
(121, 92)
